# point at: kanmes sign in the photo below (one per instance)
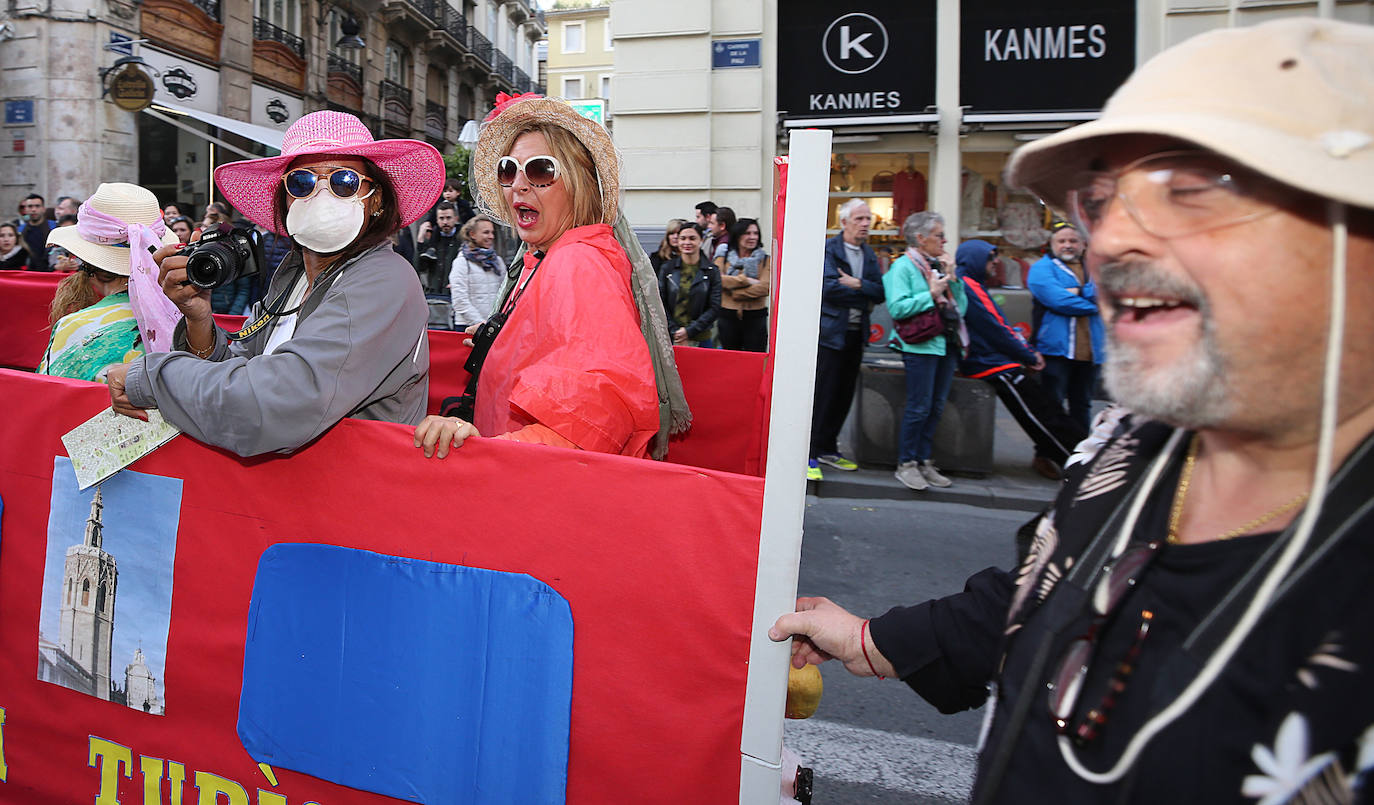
(851, 60)
(848, 59)
(1018, 57)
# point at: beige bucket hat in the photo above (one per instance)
(1291, 99)
(125, 202)
(511, 115)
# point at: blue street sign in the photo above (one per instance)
(727, 53)
(117, 41)
(18, 112)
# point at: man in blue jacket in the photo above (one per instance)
(851, 286)
(34, 229)
(1069, 333)
(998, 355)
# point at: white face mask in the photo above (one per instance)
(325, 223)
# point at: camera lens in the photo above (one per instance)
(212, 265)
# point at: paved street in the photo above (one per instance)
(877, 741)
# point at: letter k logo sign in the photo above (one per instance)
(855, 43)
(847, 44)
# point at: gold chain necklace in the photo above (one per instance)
(1181, 494)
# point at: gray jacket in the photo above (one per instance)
(360, 349)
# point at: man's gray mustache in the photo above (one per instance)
(1120, 278)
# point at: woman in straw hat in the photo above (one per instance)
(342, 328)
(96, 323)
(576, 352)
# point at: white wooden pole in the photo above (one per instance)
(789, 434)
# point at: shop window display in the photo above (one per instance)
(894, 185)
(1016, 223)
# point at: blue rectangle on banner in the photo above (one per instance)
(18, 112)
(727, 53)
(423, 681)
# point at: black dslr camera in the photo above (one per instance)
(222, 255)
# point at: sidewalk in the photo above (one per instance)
(1011, 485)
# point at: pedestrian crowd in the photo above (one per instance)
(946, 323)
(715, 279)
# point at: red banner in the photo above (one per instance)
(25, 297)
(656, 560)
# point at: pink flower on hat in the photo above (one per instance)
(503, 101)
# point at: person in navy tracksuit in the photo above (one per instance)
(999, 355)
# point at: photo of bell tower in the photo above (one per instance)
(107, 593)
(89, 583)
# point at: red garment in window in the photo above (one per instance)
(908, 195)
(571, 357)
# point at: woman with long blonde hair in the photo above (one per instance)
(667, 248)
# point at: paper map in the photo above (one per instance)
(108, 442)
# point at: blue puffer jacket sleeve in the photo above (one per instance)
(1050, 287)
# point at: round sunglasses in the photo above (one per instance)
(342, 182)
(540, 171)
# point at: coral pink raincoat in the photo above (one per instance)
(571, 357)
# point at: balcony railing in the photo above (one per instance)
(504, 67)
(436, 120)
(429, 8)
(391, 91)
(266, 31)
(479, 45)
(210, 7)
(396, 105)
(522, 81)
(338, 64)
(455, 23)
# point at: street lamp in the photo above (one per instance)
(349, 29)
(349, 39)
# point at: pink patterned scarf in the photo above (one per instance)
(155, 314)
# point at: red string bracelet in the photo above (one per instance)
(863, 644)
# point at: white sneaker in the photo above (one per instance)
(932, 475)
(909, 473)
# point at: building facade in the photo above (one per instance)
(231, 76)
(581, 56)
(926, 98)
(693, 125)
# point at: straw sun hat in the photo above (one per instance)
(1291, 99)
(127, 202)
(515, 114)
(415, 168)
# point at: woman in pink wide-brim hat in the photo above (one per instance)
(342, 328)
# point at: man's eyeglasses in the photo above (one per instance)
(1116, 581)
(342, 182)
(1169, 195)
(540, 171)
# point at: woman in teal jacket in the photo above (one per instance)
(912, 285)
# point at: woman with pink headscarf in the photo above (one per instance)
(103, 315)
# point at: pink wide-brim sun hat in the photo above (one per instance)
(415, 168)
